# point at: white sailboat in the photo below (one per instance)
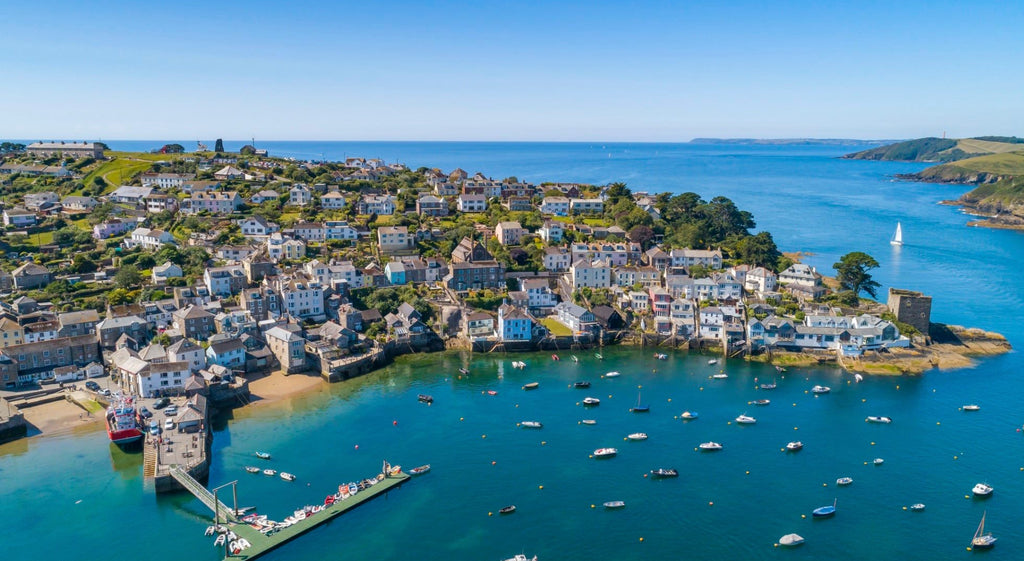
(983, 540)
(897, 238)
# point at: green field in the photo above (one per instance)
(975, 146)
(118, 171)
(1007, 163)
(556, 327)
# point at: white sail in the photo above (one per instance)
(898, 238)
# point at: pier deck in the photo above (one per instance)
(262, 544)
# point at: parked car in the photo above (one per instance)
(92, 386)
(168, 424)
(154, 427)
(160, 403)
(146, 413)
(171, 411)
(104, 391)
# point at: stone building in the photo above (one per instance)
(913, 308)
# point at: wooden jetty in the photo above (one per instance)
(261, 544)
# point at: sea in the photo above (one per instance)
(75, 496)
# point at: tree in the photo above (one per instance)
(641, 234)
(128, 277)
(218, 146)
(759, 250)
(852, 273)
(172, 149)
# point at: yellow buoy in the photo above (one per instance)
(517, 405)
(803, 516)
(862, 400)
(937, 423)
(490, 514)
(702, 389)
(776, 545)
(641, 539)
(462, 418)
(872, 443)
(670, 400)
(904, 508)
(748, 472)
(483, 436)
(540, 486)
(543, 442)
(967, 496)
(824, 484)
(796, 428)
(591, 506)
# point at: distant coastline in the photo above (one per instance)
(792, 141)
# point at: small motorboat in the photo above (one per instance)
(574, 359)
(981, 539)
(287, 476)
(664, 472)
(581, 385)
(424, 398)
(612, 374)
(270, 472)
(761, 401)
(689, 415)
(605, 452)
(770, 386)
(210, 530)
(844, 481)
(419, 470)
(745, 419)
(522, 557)
(971, 407)
(531, 386)
(795, 446)
(873, 419)
(252, 469)
(779, 369)
(719, 376)
(598, 356)
(821, 389)
(615, 504)
(638, 436)
(531, 425)
(878, 461)
(791, 540)
(263, 455)
(982, 489)
(589, 422)
(555, 357)
(492, 392)
(464, 370)
(661, 356)
(825, 511)
(220, 540)
(507, 510)
(710, 446)
(917, 507)
(591, 401)
(713, 361)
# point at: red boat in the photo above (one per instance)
(555, 357)
(122, 425)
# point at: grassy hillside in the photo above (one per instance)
(933, 149)
(980, 169)
(117, 171)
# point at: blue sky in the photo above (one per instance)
(613, 71)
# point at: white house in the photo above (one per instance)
(19, 217)
(310, 231)
(538, 292)
(509, 233)
(339, 230)
(257, 227)
(761, 280)
(590, 274)
(800, 275)
(556, 259)
(299, 195)
(129, 194)
(552, 231)
(711, 259)
(333, 200)
(161, 273)
(393, 238)
(184, 350)
(472, 203)
(577, 318)
(586, 206)
(558, 206)
(160, 378)
(280, 247)
(381, 205)
(148, 239)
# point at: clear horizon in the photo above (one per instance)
(512, 72)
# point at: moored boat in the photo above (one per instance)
(612, 374)
(770, 386)
(664, 472)
(605, 452)
(719, 376)
(791, 540)
(917, 507)
(713, 361)
(844, 481)
(555, 357)
(689, 415)
(574, 359)
(873, 419)
(531, 424)
(425, 398)
(761, 401)
(122, 422)
(661, 356)
(252, 469)
(971, 407)
(878, 461)
(795, 446)
(745, 419)
(591, 401)
(507, 510)
(581, 385)
(982, 489)
(464, 370)
(598, 356)
(821, 389)
(287, 476)
(982, 539)
(420, 470)
(263, 455)
(825, 511)
(492, 392)
(638, 408)
(531, 386)
(270, 472)
(779, 369)
(710, 446)
(589, 422)
(522, 557)
(614, 504)
(638, 436)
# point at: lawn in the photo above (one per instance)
(556, 327)
(116, 172)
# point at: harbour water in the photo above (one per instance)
(73, 496)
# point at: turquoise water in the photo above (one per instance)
(811, 202)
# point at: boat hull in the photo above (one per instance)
(124, 437)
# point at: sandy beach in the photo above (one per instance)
(58, 416)
(276, 386)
